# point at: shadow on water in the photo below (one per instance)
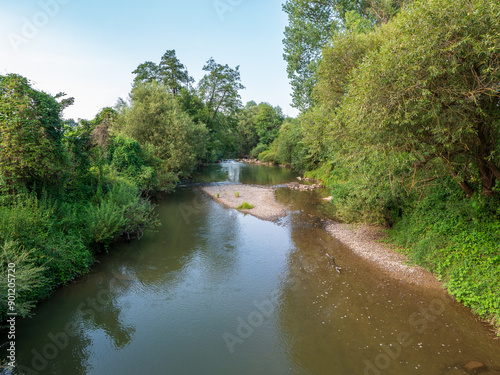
(219, 292)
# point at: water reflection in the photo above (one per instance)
(363, 322)
(217, 292)
(236, 172)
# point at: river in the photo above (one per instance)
(217, 292)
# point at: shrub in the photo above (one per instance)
(257, 150)
(245, 206)
(29, 277)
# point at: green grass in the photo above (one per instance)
(245, 206)
(236, 194)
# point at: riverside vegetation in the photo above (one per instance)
(69, 189)
(400, 119)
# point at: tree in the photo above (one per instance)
(146, 72)
(31, 132)
(346, 52)
(220, 88)
(173, 74)
(157, 122)
(246, 133)
(431, 90)
(169, 72)
(267, 120)
(311, 26)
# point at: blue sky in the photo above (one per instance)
(88, 49)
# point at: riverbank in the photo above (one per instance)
(361, 239)
(364, 241)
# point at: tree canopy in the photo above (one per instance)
(30, 134)
(220, 88)
(169, 71)
(431, 90)
(311, 26)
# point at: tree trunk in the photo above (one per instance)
(468, 190)
(486, 172)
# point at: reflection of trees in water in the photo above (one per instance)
(245, 173)
(194, 229)
(265, 175)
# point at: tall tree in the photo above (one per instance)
(157, 122)
(146, 72)
(170, 72)
(220, 89)
(311, 26)
(173, 74)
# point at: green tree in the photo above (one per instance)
(31, 130)
(267, 120)
(146, 72)
(219, 89)
(431, 91)
(169, 71)
(311, 26)
(246, 132)
(174, 74)
(155, 119)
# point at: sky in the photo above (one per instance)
(88, 49)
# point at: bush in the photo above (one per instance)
(257, 150)
(245, 206)
(29, 277)
(54, 242)
(120, 212)
(459, 240)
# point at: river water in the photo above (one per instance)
(217, 292)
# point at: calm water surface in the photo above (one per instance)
(217, 292)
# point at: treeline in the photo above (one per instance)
(69, 189)
(213, 104)
(400, 118)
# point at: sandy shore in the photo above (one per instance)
(265, 205)
(361, 239)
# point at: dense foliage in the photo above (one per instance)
(68, 189)
(401, 119)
